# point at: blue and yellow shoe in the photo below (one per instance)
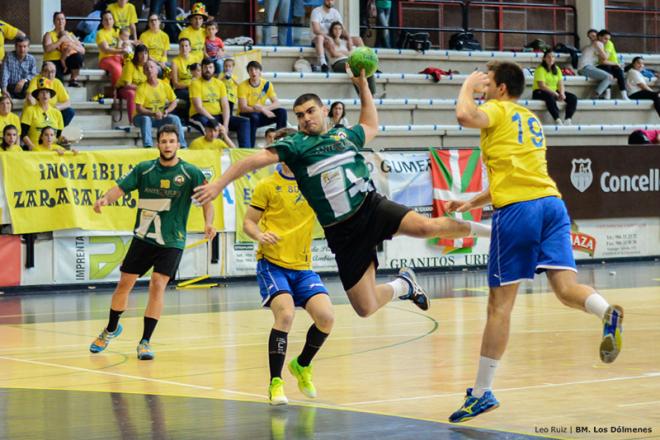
(610, 347)
(144, 352)
(474, 406)
(304, 377)
(101, 343)
(416, 294)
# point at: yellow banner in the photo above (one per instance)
(47, 192)
(241, 60)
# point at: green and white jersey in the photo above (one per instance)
(164, 200)
(331, 172)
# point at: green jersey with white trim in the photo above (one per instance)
(164, 200)
(331, 173)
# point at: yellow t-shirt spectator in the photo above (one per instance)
(256, 95)
(184, 75)
(55, 55)
(61, 95)
(231, 84)
(610, 50)
(125, 16)
(37, 119)
(10, 119)
(6, 31)
(11, 149)
(155, 98)
(131, 74)
(40, 148)
(197, 41)
(210, 92)
(158, 44)
(109, 36)
(201, 143)
(549, 79)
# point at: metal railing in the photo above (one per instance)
(630, 41)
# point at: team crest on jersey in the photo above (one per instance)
(164, 184)
(339, 135)
(179, 180)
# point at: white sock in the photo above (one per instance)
(479, 229)
(624, 95)
(596, 305)
(485, 376)
(400, 287)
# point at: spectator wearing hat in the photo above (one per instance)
(6, 115)
(64, 50)
(132, 76)
(36, 117)
(61, 100)
(157, 41)
(253, 93)
(110, 56)
(195, 31)
(125, 16)
(18, 69)
(8, 32)
(215, 138)
(155, 102)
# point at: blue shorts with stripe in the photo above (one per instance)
(527, 238)
(300, 284)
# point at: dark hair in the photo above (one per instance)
(637, 137)
(138, 50)
(47, 127)
(181, 40)
(8, 98)
(284, 132)
(630, 66)
(552, 68)
(21, 39)
(300, 100)
(55, 14)
(343, 108)
(168, 128)
(4, 131)
(254, 64)
(270, 130)
(604, 32)
(592, 30)
(212, 23)
(227, 60)
(212, 123)
(332, 25)
(207, 61)
(510, 74)
(104, 13)
(194, 66)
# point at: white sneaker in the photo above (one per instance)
(558, 122)
(624, 96)
(568, 121)
(607, 94)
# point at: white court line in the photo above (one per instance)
(639, 403)
(499, 390)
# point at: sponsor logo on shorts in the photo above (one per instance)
(311, 286)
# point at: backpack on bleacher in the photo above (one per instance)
(464, 41)
(418, 41)
(565, 48)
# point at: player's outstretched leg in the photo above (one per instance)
(283, 310)
(610, 346)
(103, 340)
(474, 406)
(415, 293)
(152, 313)
(117, 307)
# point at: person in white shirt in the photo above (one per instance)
(638, 86)
(321, 19)
(591, 53)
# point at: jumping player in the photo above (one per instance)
(165, 186)
(531, 227)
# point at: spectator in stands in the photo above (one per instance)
(18, 69)
(195, 71)
(8, 32)
(110, 57)
(640, 137)
(182, 77)
(638, 85)
(195, 32)
(283, 9)
(337, 116)
(383, 8)
(48, 142)
(10, 139)
(208, 100)
(155, 102)
(231, 83)
(321, 19)
(64, 50)
(609, 61)
(337, 49)
(215, 138)
(269, 136)
(132, 76)
(214, 48)
(36, 117)
(125, 43)
(549, 87)
(125, 16)
(589, 57)
(61, 100)
(7, 117)
(252, 96)
(157, 41)
(156, 7)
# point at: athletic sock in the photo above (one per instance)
(479, 229)
(485, 376)
(113, 320)
(596, 305)
(400, 287)
(149, 326)
(315, 338)
(276, 352)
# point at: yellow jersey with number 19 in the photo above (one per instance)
(513, 149)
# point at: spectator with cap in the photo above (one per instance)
(253, 94)
(215, 138)
(110, 56)
(61, 100)
(638, 85)
(609, 61)
(125, 16)
(18, 69)
(195, 31)
(157, 41)
(8, 32)
(36, 117)
(155, 101)
(7, 117)
(64, 50)
(132, 76)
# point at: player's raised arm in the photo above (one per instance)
(368, 113)
(109, 198)
(467, 112)
(206, 193)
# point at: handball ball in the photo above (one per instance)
(363, 57)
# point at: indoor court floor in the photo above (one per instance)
(395, 375)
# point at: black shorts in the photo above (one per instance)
(354, 241)
(142, 256)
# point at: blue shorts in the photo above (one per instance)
(527, 238)
(300, 284)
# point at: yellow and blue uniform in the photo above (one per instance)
(531, 227)
(285, 267)
(256, 95)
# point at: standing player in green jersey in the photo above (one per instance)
(165, 187)
(333, 176)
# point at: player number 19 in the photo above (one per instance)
(534, 129)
